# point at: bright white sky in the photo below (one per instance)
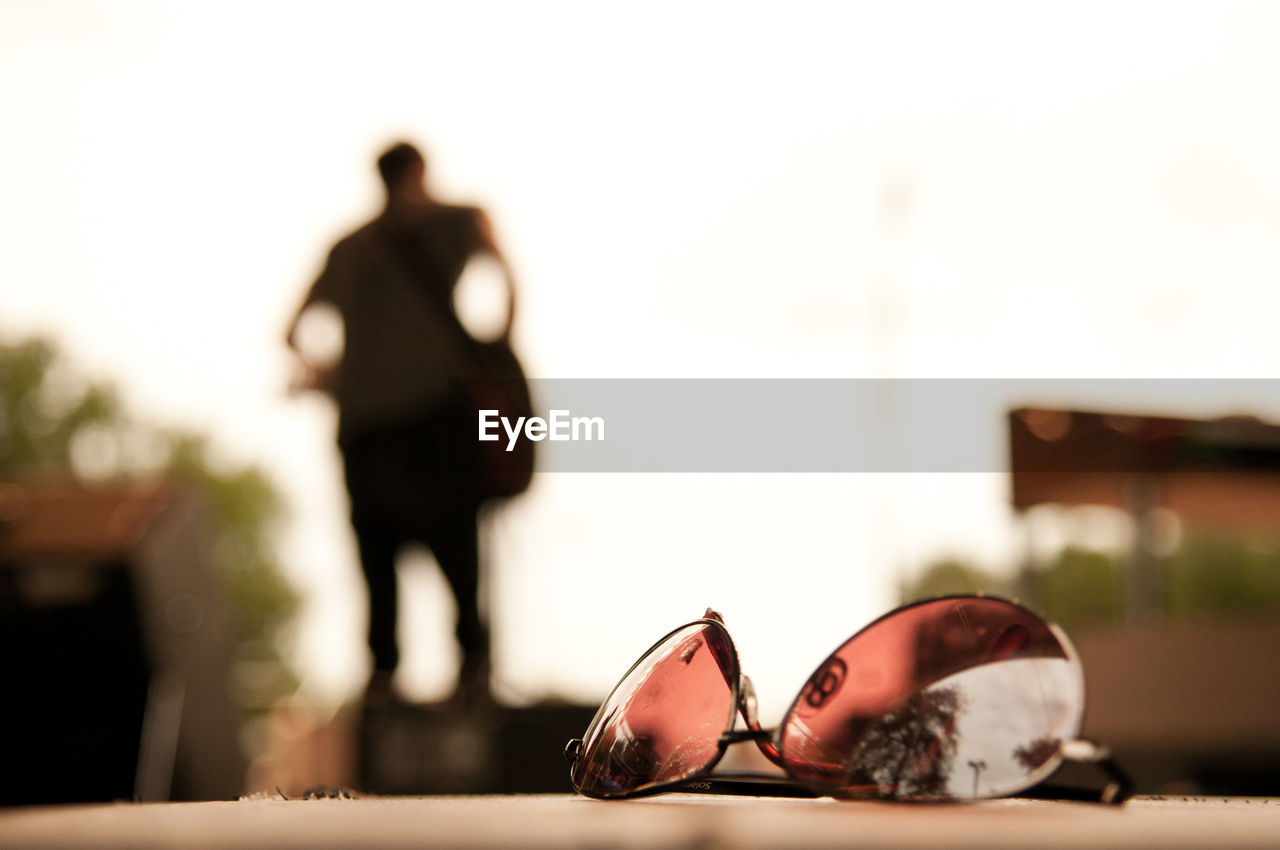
(1086, 189)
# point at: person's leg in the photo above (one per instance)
(378, 546)
(454, 544)
(379, 537)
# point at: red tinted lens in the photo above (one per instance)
(663, 721)
(958, 697)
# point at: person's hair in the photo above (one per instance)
(396, 161)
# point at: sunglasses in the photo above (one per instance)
(962, 697)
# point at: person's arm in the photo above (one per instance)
(310, 375)
(321, 290)
(489, 245)
(291, 333)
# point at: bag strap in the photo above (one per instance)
(378, 242)
(457, 350)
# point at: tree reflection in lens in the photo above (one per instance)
(910, 751)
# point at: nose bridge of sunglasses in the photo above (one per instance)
(747, 707)
(748, 703)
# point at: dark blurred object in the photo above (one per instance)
(438, 749)
(1188, 706)
(116, 663)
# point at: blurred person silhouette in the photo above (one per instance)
(406, 427)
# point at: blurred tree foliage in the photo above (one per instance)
(1079, 587)
(951, 575)
(1224, 575)
(55, 423)
(1205, 577)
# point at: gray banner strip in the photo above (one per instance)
(855, 425)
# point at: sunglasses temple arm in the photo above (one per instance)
(1083, 751)
(1120, 788)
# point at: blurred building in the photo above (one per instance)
(116, 667)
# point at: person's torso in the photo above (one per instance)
(403, 341)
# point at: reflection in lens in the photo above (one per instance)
(663, 721)
(909, 751)
(1017, 713)
(960, 697)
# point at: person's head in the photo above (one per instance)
(403, 170)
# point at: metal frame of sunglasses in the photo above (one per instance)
(896, 735)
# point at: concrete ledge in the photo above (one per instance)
(669, 821)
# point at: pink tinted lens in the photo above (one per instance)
(663, 721)
(958, 697)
